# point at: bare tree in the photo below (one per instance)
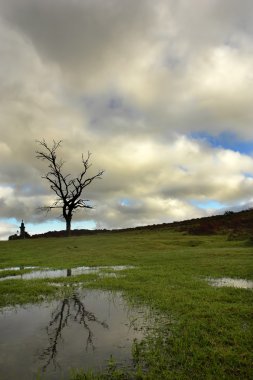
(69, 190)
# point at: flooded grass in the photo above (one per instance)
(231, 282)
(16, 269)
(44, 273)
(212, 331)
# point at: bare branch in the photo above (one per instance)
(68, 190)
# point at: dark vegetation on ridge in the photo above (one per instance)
(235, 224)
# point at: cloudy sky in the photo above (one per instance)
(160, 92)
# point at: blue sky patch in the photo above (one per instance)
(207, 204)
(51, 225)
(225, 140)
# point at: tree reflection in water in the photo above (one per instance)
(69, 309)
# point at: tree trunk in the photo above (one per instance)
(68, 226)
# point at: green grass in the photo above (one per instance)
(211, 334)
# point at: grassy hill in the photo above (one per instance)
(232, 223)
(206, 331)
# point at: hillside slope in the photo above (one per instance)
(233, 223)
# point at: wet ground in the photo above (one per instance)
(41, 273)
(80, 331)
(231, 282)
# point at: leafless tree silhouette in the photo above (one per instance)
(69, 309)
(68, 190)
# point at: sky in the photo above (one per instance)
(160, 92)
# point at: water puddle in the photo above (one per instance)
(231, 282)
(16, 268)
(55, 273)
(79, 331)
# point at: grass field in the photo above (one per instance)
(210, 336)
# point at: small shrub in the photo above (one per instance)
(228, 213)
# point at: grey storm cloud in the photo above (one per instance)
(84, 38)
(130, 81)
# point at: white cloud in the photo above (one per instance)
(7, 229)
(128, 81)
